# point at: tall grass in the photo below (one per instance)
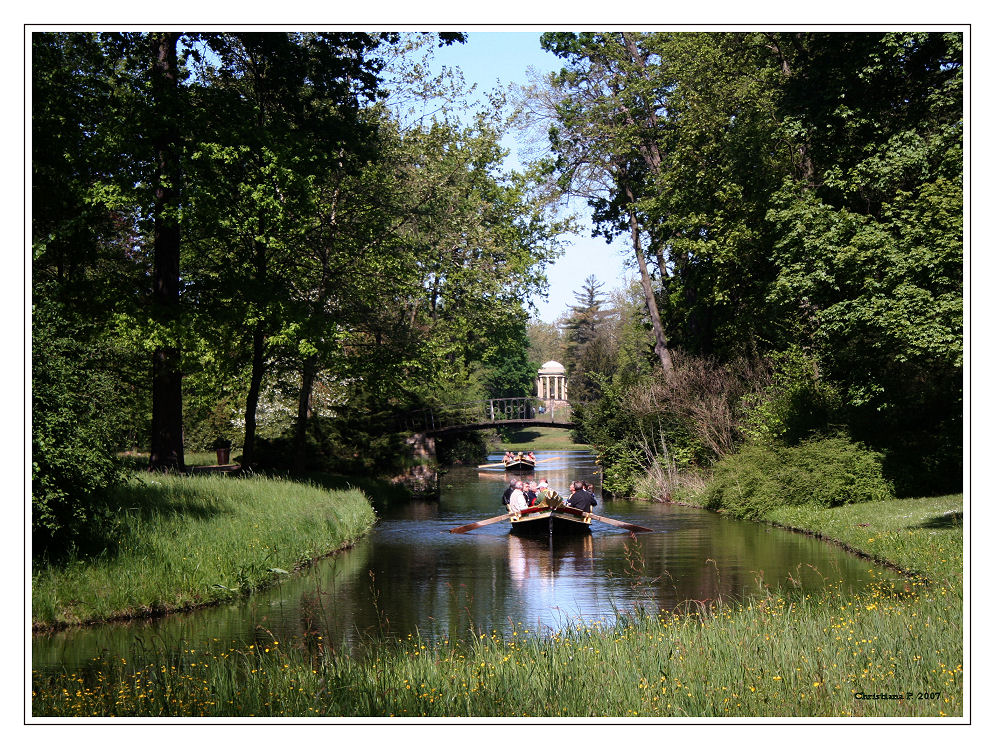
(182, 541)
(777, 654)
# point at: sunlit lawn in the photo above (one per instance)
(540, 438)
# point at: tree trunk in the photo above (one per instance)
(303, 410)
(660, 347)
(252, 399)
(167, 392)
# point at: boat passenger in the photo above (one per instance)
(547, 496)
(531, 490)
(532, 456)
(580, 498)
(506, 497)
(517, 501)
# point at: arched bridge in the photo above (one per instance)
(488, 414)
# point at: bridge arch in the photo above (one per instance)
(491, 413)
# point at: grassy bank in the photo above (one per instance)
(183, 541)
(539, 438)
(790, 654)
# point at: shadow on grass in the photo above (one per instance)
(519, 435)
(122, 512)
(946, 520)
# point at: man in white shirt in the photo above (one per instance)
(517, 501)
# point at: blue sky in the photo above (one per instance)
(493, 57)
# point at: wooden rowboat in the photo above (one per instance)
(545, 521)
(520, 464)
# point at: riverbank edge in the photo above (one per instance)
(156, 612)
(824, 534)
(816, 534)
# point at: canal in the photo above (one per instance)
(410, 575)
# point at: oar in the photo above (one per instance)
(543, 460)
(490, 465)
(479, 524)
(620, 524)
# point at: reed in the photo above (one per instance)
(777, 654)
(184, 541)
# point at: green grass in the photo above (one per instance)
(921, 536)
(139, 461)
(183, 541)
(791, 655)
(539, 438)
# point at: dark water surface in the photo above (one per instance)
(410, 575)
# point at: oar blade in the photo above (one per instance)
(622, 524)
(479, 524)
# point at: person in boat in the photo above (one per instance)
(517, 501)
(547, 496)
(532, 456)
(508, 457)
(580, 498)
(531, 490)
(506, 497)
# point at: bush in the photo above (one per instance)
(827, 472)
(469, 448)
(74, 430)
(795, 406)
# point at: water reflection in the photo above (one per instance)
(411, 575)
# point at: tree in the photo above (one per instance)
(281, 117)
(166, 448)
(603, 110)
(794, 189)
(588, 345)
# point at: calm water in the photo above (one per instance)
(411, 575)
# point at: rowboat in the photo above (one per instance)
(544, 521)
(523, 463)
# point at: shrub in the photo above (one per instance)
(462, 449)
(796, 405)
(827, 472)
(74, 429)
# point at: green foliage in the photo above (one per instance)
(795, 191)
(470, 448)
(795, 406)
(329, 252)
(623, 464)
(75, 428)
(588, 347)
(824, 472)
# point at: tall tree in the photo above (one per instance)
(586, 349)
(606, 136)
(166, 448)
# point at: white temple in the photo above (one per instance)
(551, 383)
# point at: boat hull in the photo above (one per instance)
(536, 521)
(520, 465)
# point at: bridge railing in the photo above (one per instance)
(494, 410)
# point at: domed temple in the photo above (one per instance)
(551, 383)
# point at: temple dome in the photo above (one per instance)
(552, 368)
